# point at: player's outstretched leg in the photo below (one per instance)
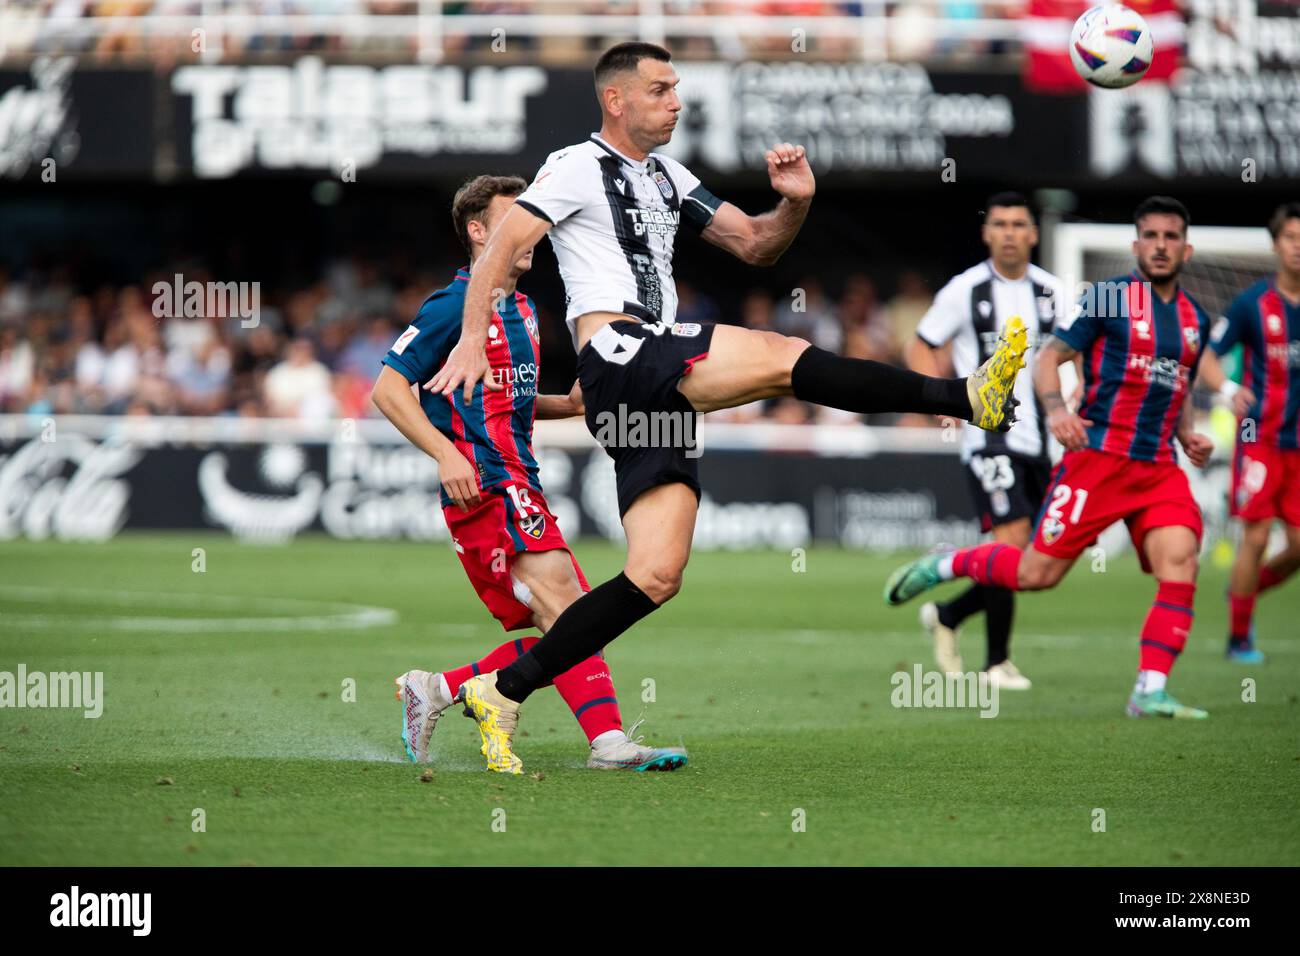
(1170, 553)
(745, 365)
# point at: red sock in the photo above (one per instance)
(589, 691)
(1241, 609)
(1268, 578)
(1164, 634)
(992, 563)
(587, 687)
(498, 658)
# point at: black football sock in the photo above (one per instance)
(586, 626)
(970, 601)
(999, 610)
(866, 387)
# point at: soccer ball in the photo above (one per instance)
(1111, 46)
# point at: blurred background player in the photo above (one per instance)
(502, 528)
(1008, 471)
(1265, 321)
(1141, 337)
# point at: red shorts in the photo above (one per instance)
(1091, 490)
(487, 540)
(1266, 483)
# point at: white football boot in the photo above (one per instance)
(628, 753)
(423, 701)
(946, 654)
(1006, 676)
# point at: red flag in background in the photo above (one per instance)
(1046, 27)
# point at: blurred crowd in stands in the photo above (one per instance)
(314, 351)
(62, 26)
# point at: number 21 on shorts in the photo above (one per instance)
(1060, 496)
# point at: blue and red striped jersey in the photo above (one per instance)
(495, 430)
(1268, 328)
(1140, 355)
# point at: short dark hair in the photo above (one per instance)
(473, 198)
(1162, 204)
(1277, 221)
(626, 56)
(1007, 199)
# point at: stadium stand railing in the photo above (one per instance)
(553, 31)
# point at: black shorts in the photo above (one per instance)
(1006, 488)
(629, 373)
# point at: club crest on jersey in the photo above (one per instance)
(1192, 335)
(1051, 529)
(533, 526)
(985, 307)
(686, 329)
(530, 323)
(664, 185)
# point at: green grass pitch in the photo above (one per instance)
(217, 699)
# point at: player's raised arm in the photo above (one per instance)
(467, 365)
(760, 240)
(1067, 427)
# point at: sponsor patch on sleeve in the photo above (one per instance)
(405, 339)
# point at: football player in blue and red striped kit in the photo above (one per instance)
(1141, 337)
(503, 530)
(1265, 321)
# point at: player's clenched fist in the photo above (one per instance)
(467, 365)
(788, 169)
(458, 479)
(1069, 429)
(1198, 447)
(1242, 399)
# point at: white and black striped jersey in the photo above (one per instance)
(969, 312)
(615, 221)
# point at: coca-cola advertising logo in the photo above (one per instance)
(65, 487)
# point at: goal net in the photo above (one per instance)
(1225, 260)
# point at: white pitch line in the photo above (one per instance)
(338, 616)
